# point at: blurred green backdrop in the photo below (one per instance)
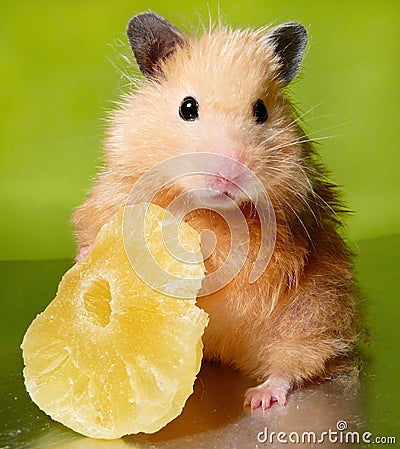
(60, 73)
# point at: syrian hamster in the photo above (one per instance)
(224, 93)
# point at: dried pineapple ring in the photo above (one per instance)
(110, 356)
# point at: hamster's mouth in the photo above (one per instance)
(222, 196)
(216, 199)
(212, 192)
(224, 189)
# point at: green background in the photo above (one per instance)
(61, 72)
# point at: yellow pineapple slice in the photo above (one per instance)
(112, 356)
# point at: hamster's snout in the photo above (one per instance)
(229, 178)
(219, 181)
(221, 156)
(222, 184)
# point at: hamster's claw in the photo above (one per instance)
(274, 389)
(83, 250)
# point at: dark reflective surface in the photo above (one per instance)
(213, 416)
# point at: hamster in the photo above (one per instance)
(224, 93)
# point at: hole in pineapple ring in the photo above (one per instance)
(96, 301)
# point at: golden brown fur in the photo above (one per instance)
(300, 315)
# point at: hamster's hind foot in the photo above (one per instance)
(274, 389)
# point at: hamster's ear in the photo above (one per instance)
(152, 39)
(288, 41)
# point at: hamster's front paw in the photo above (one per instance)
(83, 250)
(274, 389)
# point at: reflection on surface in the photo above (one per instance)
(89, 443)
(213, 416)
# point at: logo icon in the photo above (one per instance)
(214, 184)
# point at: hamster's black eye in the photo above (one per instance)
(189, 109)
(260, 112)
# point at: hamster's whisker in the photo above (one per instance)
(318, 198)
(333, 211)
(300, 221)
(298, 142)
(276, 198)
(289, 127)
(295, 192)
(291, 124)
(308, 111)
(301, 167)
(335, 126)
(295, 180)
